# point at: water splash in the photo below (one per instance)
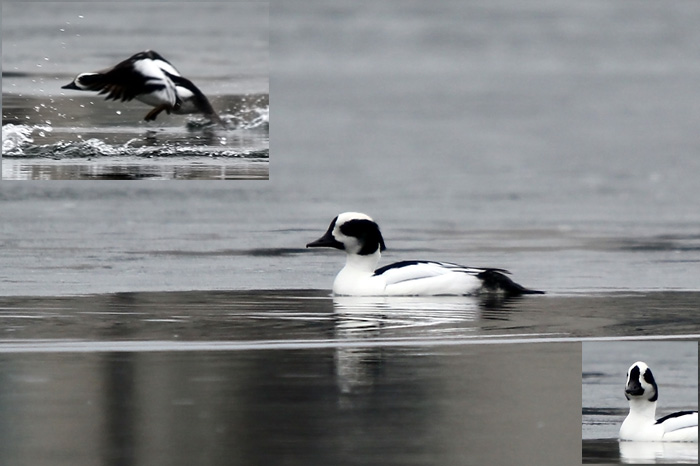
(16, 137)
(18, 141)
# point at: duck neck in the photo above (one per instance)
(643, 408)
(363, 263)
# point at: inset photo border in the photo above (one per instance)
(605, 368)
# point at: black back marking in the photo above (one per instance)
(672, 415)
(397, 265)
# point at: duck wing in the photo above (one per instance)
(135, 76)
(487, 279)
(415, 270)
(193, 100)
(678, 421)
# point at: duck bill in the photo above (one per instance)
(634, 389)
(71, 86)
(326, 241)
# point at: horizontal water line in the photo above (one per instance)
(77, 346)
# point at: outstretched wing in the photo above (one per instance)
(199, 100)
(138, 75)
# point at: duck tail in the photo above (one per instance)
(495, 280)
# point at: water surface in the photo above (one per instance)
(192, 377)
(263, 376)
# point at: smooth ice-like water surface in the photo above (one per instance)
(299, 377)
(208, 377)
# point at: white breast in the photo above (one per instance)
(351, 281)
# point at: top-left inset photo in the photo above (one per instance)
(135, 91)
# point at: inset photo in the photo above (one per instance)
(135, 91)
(640, 402)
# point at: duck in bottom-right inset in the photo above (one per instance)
(642, 392)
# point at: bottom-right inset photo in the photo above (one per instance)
(640, 402)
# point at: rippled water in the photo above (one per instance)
(312, 315)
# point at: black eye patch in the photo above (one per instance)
(649, 378)
(368, 234)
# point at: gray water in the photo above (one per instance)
(51, 133)
(277, 407)
(557, 141)
(97, 238)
